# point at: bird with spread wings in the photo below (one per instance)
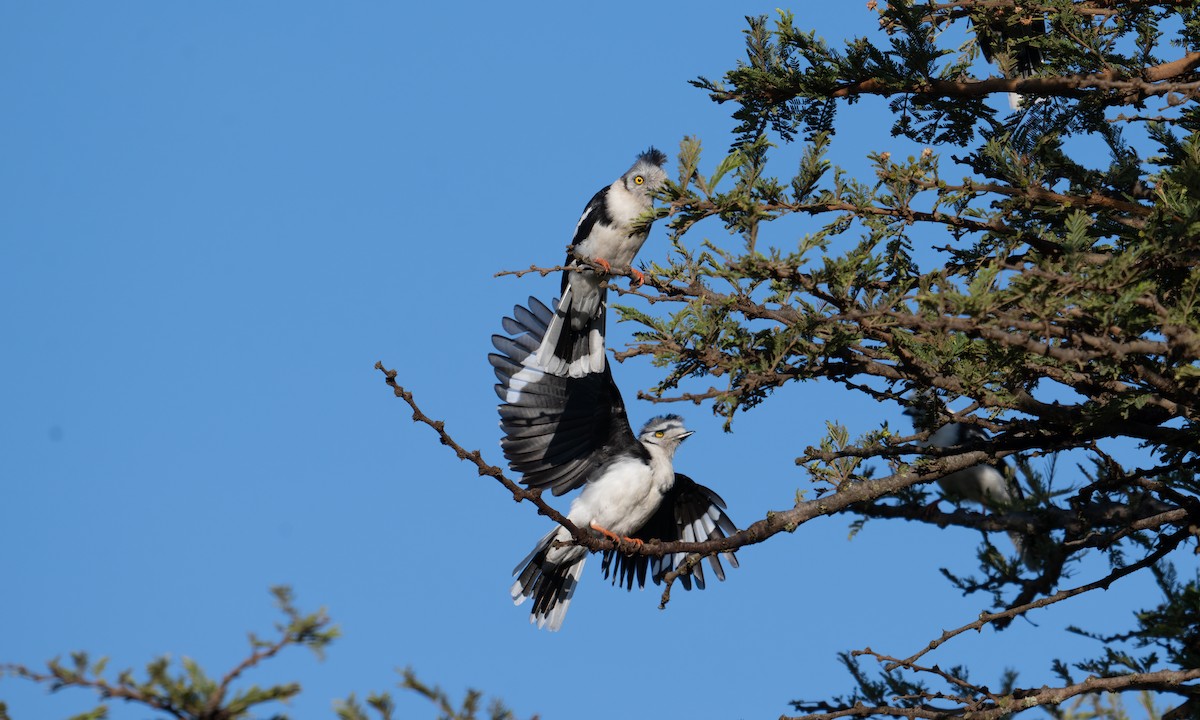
(565, 433)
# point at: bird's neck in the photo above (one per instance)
(624, 206)
(662, 466)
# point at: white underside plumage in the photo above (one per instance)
(616, 243)
(621, 499)
(982, 484)
(623, 496)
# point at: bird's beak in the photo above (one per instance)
(686, 435)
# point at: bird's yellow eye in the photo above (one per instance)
(658, 434)
(638, 179)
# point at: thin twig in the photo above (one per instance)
(1166, 546)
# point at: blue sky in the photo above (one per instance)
(216, 218)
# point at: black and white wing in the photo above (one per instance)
(689, 512)
(574, 340)
(557, 430)
(1007, 43)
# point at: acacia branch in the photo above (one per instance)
(1166, 546)
(958, 9)
(475, 457)
(1152, 83)
(61, 677)
(774, 522)
(891, 662)
(1082, 348)
(1148, 516)
(1094, 199)
(1171, 681)
(256, 656)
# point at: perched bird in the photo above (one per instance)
(1008, 46)
(565, 432)
(987, 485)
(993, 487)
(607, 234)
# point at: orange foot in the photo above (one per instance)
(603, 264)
(605, 532)
(639, 278)
(615, 537)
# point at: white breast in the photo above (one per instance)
(613, 242)
(946, 436)
(622, 498)
(983, 484)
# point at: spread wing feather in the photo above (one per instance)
(557, 429)
(689, 512)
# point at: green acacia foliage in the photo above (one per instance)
(1036, 269)
(1032, 272)
(183, 689)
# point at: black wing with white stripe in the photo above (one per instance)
(557, 430)
(689, 512)
(574, 337)
(596, 211)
